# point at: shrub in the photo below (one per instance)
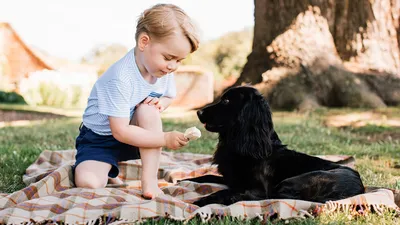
(224, 56)
(58, 89)
(11, 97)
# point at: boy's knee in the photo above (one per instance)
(147, 116)
(147, 109)
(90, 180)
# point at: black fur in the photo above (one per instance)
(255, 165)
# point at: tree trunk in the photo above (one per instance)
(366, 34)
(319, 50)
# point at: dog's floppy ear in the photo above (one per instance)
(253, 130)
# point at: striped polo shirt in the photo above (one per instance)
(119, 90)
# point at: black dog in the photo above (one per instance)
(255, 165)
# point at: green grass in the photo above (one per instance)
(376, 159)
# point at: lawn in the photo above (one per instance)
(376, 148)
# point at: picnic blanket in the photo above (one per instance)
(50, 195)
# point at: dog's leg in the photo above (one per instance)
(228, 197)
(321, 186)
(207, 179)
(214, 198)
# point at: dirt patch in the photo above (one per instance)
(14, 115)
(359, 120)
(383, 136)
(362, 119)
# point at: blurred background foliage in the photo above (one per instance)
(225, 56)
(104, 56)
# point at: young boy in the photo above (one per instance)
(122, 117)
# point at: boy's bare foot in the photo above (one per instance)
(150, 190)
(115, 181)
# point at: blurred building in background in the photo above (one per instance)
(17, 60)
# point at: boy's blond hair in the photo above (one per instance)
(162, 20)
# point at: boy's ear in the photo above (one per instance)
(144, 40)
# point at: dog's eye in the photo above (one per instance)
(225, 101)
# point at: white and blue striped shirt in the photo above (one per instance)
(119, 90)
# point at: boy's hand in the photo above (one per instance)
(154, 101)
(175, 140)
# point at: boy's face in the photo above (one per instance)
(160, 57)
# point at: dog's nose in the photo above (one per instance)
(199, 112)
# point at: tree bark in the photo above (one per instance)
(325, 41)
(366, 34)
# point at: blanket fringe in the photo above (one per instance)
(92, 222)
(360, 209)
(260, 216)
(305, 214)
(329, 207)
(205, 217)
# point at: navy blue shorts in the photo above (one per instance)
(103, 148)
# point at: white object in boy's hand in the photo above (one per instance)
(192, 133)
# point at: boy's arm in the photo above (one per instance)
(135, 135)
(139, 137)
